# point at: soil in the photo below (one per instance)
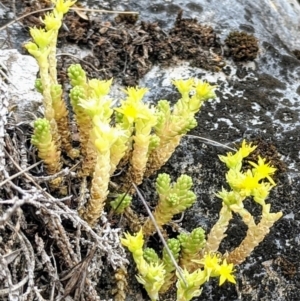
(127, 49)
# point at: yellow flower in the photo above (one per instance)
(132, 107)
(249, 182)
(63, 6)
(100, 87)
(225, 271)
(205, 91)
(211, 264)
(263, 170)
(245, 149)
(135, 95)
(129, 110)
(184, 86)
(134, 243)
(244, 183)
(52, 21)
(41, 37)
(213, 268)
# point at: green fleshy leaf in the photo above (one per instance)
(121, 203)
(76, 75)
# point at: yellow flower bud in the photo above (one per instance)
(261, 192)
(232, 161)
(104, 137)
(33, 49)
(192, 287)
(230, 197)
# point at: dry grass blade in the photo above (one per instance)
(178, 269)
(14, 288)
(27, 176)
(9, 212)
(77, 275)
(19, 173)
(104, 11)
(81, 60)
(11, 256)
(212, 142)
(75, 9)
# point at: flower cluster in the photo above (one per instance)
(197, 255)
(131, 134)
(214, 266)
(173, 123)
(249, 183)
(43, 48)
(156, 275)
(142, 138)
(253, 183)
(151, 275)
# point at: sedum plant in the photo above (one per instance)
(47, 150)
(43, 48)
(138, 119)
(155, 274)
(131, 134)
(197, 254)
(135, 140)
(175, 122)
(256, 183)
(191, 246)
(140, 138)
(173, 199)
(121, 202)
(152, 274)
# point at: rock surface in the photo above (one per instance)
(21, 70)
(260, 99)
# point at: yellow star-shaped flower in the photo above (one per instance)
(263, 170)
(225, 271)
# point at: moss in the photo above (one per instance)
(241, 46)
